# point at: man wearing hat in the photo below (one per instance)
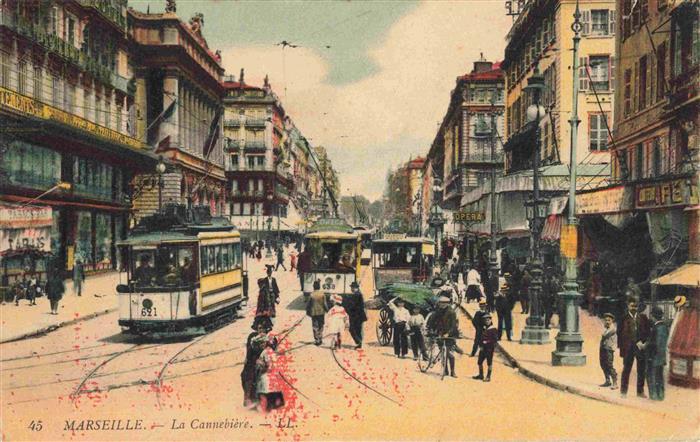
(631, 337)
(270, 283)
(608, 345)
(504, 308)
(478, 323)
(354, 304)
(400, 334)
(443, 323)
(656, 355)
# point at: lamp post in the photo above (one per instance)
(160, 169)
(493, 262)
(437, 218)
(569, 340)
(536, 211)
(270, 196)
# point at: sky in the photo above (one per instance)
(369, 80)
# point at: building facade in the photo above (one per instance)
(179, 111)
(540, 42)
(68, 145)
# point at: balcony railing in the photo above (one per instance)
(108, 11)
(483, 156)
(233, 122)
(255, 145)
(248, 193)
(255, 122)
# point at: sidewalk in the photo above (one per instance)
(23, 321)
(534, 361)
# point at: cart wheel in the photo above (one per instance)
(384, 329)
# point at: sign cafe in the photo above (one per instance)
(678, 192)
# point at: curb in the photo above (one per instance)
(53, 327)
(554, 384)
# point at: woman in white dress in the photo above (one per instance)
(337, 321)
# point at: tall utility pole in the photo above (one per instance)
(569, 339)
(493, 262)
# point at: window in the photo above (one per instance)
(656, 157)
(251, 162)
(69, 97)
(118, 124)
(261, 161)
(600, 22)
(22, 78)
(597, 132)
(69, 30)
(92, 178)
(686, 42)
(98, 109)
(234, 161)
(38, 83)
(56, 91)
(258, 208)
(583, 74)
(638, 161)
(32, 166)
(4, 69)
(642, 89)
(661, 71)
(236, 209)
(87, 111)
(599, 68)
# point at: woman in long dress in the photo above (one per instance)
(337, 320)
(266, 308)
(268, 384)
(254, 347)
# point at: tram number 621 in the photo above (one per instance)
(149, 311)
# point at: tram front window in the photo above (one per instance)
(333, 255)
(164, 266)
(396, 256)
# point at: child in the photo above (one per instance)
(337, 320)
(608, 345)
(292, 262)
(416, 323)
(270, 394)
(656, 355)
(487, 345)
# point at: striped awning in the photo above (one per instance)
(552, 228)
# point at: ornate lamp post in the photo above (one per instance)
(536, 212)
(437, 217)
(160, 170)
(569, 339)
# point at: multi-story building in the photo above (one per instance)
(327, 184)
(258, 165)
(179, 111)
(652, 199)
(66, 98)
(541, 41)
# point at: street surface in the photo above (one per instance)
(54, 385)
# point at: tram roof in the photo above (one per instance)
(332, 235)
(187, 233)
(408, 240)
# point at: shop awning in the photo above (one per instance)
(552, 228)
(687, 275)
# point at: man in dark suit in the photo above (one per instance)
(268, 297)
(632, 336)
(354, 304)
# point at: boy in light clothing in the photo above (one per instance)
(608, 345)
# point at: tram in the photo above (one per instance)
(334, 254)
(403, 260)
(182, 272)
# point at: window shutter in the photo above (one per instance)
(611, 21)
(612, 73)
(583, 74)
(586, 21)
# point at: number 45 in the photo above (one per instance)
(35, 426)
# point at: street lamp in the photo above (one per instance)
(536, 212)
(160, 170)
(493, 262)
(436, 220)
(569, 350)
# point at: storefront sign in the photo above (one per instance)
(468, 217)
(568, 241)
(25, 228)
(604, 201)
(29, 106)
(680, 192)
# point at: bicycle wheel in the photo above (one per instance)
(443, 356)
(433, 355)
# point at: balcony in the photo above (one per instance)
(244, 193)
(254, 146)
(53, 43)
(233, 122)
(109, 12)
(482, 157)
(255, 122)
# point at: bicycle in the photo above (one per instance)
(437, 352)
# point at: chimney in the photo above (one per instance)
(240, 78)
